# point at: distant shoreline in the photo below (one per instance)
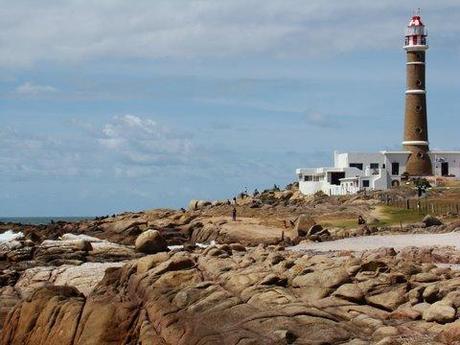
(41, 220)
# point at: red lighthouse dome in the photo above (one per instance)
(415, 34)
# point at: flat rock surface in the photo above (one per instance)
(384, 241)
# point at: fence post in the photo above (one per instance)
(408, 204)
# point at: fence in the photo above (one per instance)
(426, 206)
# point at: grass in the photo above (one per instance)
(395, 216)
(389, 216)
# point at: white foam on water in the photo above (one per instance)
(199, 245)
(9, 235)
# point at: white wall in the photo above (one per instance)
(452, 158)
(396, 157)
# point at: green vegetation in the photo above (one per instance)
(388, 216)
(395, 215)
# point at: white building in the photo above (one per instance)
(353, 172)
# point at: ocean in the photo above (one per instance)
(41, 220)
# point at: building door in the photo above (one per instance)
(444, 169)
(394, 168)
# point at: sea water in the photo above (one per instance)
(41, 220)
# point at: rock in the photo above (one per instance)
(325, 278)
(350, 292)
(50, 316)
(430, 294)
(273, 279)
(439, 312)
(425, 277)
(314, 230)
(385, 331)
(451, 334)
(197, 204)
(390, 299)
(84, 277)
(429, 220)
(303, 225)
(151, 242)
(8, 299)
(148, 262)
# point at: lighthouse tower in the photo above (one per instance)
(415, 121)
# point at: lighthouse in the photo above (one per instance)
(353, 172)
(415, 119)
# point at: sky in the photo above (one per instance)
(111, 105)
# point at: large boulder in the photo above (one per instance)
(197, 204)
(151, 242)
(50, 316)
(431, 221)
(303, 225)
(439, 312)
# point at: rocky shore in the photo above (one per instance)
(197, 277)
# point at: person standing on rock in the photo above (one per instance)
(234, 214)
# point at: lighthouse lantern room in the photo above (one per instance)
(416, 34)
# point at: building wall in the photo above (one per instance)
(397, 157)
(378, 180)
(365, 158)
(452, 158)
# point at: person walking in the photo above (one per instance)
(234, 214)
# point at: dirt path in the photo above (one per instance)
(385, 241)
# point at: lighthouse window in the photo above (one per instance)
(419, 82)
(418, 130)
(420, 155)
(419, 56)
(418, 108)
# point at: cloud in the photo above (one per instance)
(318, 119)
(31, 89)
(125, 146)
(142, 141)
(72, 31)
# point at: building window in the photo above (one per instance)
(419, 82)
(366, 183)
(394, 168)
(418, 108)
(307, 178)
(374, 165)
(383, 166)
(418, 130)
(356, 165)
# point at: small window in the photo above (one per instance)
(383, 166)
(418, 130)
(374, 165)
(420, 155)
(394, 168)
(419, 82)
(307, 178)
(366, 183)
(418, 108)
(356, 165)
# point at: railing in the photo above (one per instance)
(423, 41)
(425, 206)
